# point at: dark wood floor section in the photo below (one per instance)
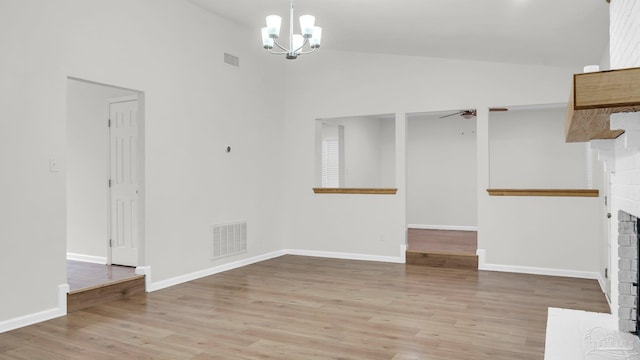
(442, 248)
(443, 241)
(313, 308)
(94, 284)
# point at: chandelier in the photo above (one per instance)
(311, 35)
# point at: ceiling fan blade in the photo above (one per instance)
(456, 113)
(499, 109)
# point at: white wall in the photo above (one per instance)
(544, 232)
(375, 224)
(195, 106)
(441, 171)
(87, 113)
(528, 151)
(530, 234)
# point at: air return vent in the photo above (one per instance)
(231, 60)
(229, 239)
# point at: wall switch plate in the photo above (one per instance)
(53, 165)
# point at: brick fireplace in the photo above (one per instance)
(627, 272)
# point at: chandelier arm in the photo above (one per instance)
(309, 52)
(306, 41)
(275, 41)
(277, 52)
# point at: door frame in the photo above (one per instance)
(140, 165)
(608, 180)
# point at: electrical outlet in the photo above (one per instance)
(53, 165)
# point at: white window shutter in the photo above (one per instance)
(330, 163)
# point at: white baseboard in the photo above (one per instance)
(154, 286)
(607, 296)
(482, 265)
(348, 256)
(146, 271)
(45, 315)
(601, 283)
(87, 258)
(482, 257)
(442, 227)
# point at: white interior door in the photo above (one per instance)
(123, 202)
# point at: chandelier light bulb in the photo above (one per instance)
(315, 40)
(267, 41)
(273, 25)
(307, 23)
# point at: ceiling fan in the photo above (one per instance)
(470, 113)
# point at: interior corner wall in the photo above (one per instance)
(195, 106)
(350, 84)
(441, 171)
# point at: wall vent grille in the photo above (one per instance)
(229, 239)
(231, 60)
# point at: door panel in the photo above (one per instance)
(123, 137)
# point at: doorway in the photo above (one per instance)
(105, 178)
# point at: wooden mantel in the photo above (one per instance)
(595, 96)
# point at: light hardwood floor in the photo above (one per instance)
(313, 308)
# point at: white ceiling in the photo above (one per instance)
(546, 32)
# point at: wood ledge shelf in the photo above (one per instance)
(545, 192)
(374, 191)
(594, 97)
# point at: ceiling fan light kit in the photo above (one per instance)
(311, 35)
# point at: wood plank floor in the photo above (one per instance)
(82, 275)
(295, 307)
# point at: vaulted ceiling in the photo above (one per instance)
(545, 32)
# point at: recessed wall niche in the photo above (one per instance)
(355, 152)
